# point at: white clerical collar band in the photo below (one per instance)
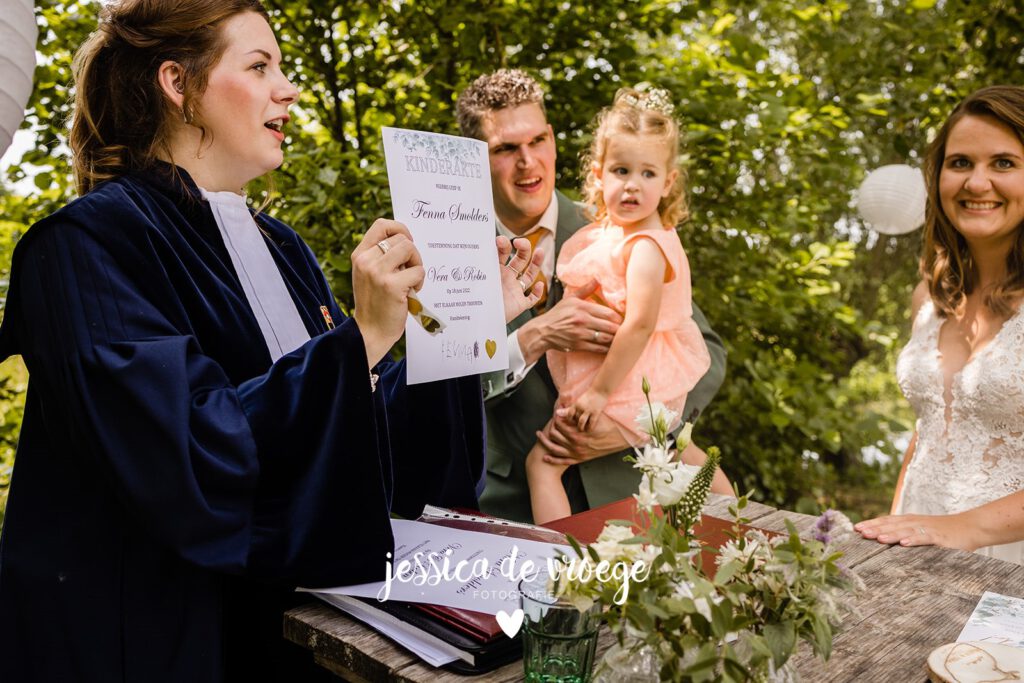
(268, 297)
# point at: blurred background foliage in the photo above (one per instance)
(786, 105)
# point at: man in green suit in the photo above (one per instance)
(505, 109)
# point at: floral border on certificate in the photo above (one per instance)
(437, 145)
(996, 606)
(996, 618)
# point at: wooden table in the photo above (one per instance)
(916, 600)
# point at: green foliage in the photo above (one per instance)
(13, 377)
(664, 601)
(785, 104)
(13, 382)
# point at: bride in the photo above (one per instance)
(962, 481)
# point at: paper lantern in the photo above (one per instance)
(892, 198)
(17, 62)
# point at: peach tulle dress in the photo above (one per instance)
(675, 357)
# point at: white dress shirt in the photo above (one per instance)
(517, 367)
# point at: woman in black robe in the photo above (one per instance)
(175, 475)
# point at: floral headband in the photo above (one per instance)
(648, 98)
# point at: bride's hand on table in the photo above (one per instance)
(948, 531)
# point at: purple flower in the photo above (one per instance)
(832, 527)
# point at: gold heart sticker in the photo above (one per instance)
(490, 346)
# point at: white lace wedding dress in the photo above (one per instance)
(977, 455)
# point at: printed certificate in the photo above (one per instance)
(996, 619)
(441, 190)
(456, 568)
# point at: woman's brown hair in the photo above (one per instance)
(122, 118)
(946, 263)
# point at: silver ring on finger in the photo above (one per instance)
(597, 336)
(383, 246)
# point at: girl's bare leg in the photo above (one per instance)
(547, 495)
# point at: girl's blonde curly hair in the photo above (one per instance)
(637, 112)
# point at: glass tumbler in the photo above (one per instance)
(558, 640)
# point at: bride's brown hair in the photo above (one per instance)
(122, 118)
(946, 263)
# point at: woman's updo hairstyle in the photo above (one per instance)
(122, 118)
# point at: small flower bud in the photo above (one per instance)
(684, 436)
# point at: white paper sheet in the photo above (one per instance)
(997, 619)
(470, 589)
(441, 190)
(430, 649)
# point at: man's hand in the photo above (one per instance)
(573, 324)
(517, 273)
(567, 445)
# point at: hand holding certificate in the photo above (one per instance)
(441, 190)
(521, 284)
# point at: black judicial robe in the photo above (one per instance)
(171, 484)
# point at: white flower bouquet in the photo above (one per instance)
(737, 620)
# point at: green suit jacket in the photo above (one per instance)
(515, 414)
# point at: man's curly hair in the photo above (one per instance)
(490, 92)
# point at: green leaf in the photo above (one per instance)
(807, 13)
(781, 640)
(822, 636)
(575, 545)
(721, 622)
(722, 24)
(328, 176)
(727, 571)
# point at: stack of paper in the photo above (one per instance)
(452, 568)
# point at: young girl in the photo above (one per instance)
(633, 252)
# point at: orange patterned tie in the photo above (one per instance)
(534, 237)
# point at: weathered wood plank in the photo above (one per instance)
(353, 648)
(916, 600)
(718, 506)
(341, 672)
